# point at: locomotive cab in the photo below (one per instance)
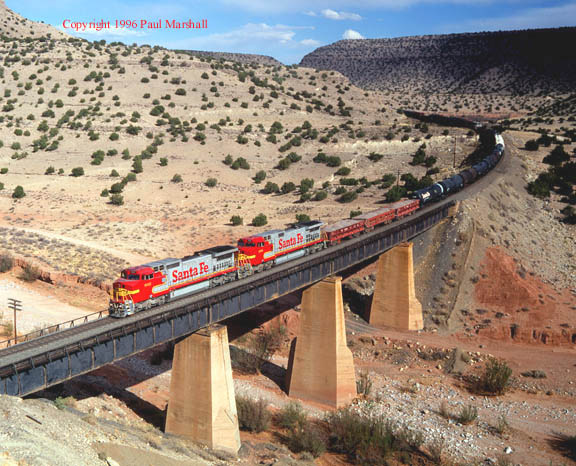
(134, 286)
(254, 249)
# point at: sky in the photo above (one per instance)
(288, 30)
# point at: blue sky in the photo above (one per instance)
(288, 30)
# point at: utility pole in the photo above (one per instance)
(15, 305)
(454, 163)
(398, 178)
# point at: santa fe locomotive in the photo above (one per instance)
(157, 282)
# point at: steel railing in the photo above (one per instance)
(53, 329)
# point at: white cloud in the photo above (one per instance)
(310, 13)
(310, 42)
(339, 16)
(564, 15)
(249, 37)
(352, 34)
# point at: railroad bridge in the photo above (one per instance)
(320, 365)
(39, 363)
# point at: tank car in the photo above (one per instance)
(452, 184)
(481, 168)
(469, 175)
(430, 194)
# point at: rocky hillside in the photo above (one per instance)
(512, 62)
(246, 58)
(14, 26)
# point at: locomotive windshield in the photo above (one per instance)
(246, 243)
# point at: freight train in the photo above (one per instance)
(158, 282)
(455, 183)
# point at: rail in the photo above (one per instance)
(53, 329)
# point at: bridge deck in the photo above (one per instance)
(51, 359)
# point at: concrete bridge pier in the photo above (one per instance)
(202, 404)
(321, 367)
(394, 303)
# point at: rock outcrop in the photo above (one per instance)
(510, 62)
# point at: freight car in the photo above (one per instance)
(157, 282)
(456, 182)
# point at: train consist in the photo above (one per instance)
(455, 183)
(158, 282)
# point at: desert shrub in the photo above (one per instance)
(333, 161)
(541, 186)
(355, 213)
(6, 263)
(388, 180)
(364, 384)
(362, 439)
(30, 273)
(349, 196)
(349, 181)
(50, 170)
(306, 438)
(260, 220)
(343, 171)
(271, 188)
(3, 170)
(211, 182)
(252, 415)
(288, 187)
(260, 176)
(240, 162)
(260, 348)
(306, 185)
(163, 161)
(176, 178)
(291, 415)
(78, 171)
(557, 156)
(467, 415)
(320, 195)
(496, 377)
(18, 192)
(502, 425)
(531, 145)
(236, 220)
(63, 402)
(116, 199)
(117, 188)
(395, 193)
(284, 164)
(301, 218)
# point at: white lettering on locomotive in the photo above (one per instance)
(192, 272)
(294, 241)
